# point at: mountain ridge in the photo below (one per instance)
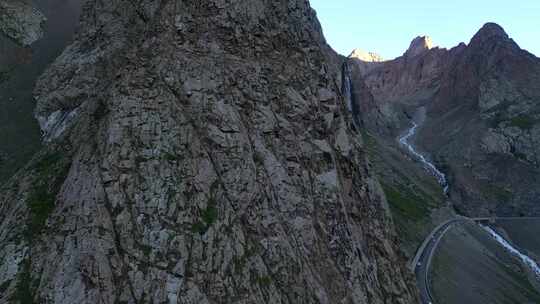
(486, 91)
(198, 153)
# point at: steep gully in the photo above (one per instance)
(427, 248)
(422, 261)
(405, 141)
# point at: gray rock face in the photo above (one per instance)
(365, 56)
(495, 143)
(365, 61)
(20, 21)
(200, 152)
(391, 88)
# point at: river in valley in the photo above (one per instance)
(515, 238)
(525, 259)
(406, 141)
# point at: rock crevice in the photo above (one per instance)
(195, 156)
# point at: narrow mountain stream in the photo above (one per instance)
(405, 140)
(524, 258)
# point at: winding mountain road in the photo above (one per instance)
(421, 263)
(422, 260)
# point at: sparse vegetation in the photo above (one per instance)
(409, 197)
(327, 157)
(522, 281)
(524, 122)
(369, 140)
(258, 159)
(4, 76)
(147, 250)
(50, 173)
(520, 156)
(46, 165)
(264, 281)
(406, 203)
(199, 227)
(41, 204)
(4, 286)
(496, 192)
(210, 214)
(171, 157)
(24, 293)
(208, 218)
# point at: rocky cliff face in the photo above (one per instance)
(419, 46)
(365, 61)
(406, 82)
(482, 117)
(20, 21)
(366, 56)
(198, 152)
(488, 100)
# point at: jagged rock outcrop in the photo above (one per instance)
(482, 123)
(419, 46)
(198, 152)
(406, 81)
(364, 61)
(20, 21)
(365, 56)
(491, 89)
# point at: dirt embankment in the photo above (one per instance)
(471, 267)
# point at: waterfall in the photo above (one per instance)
(524, 258)
(404, 140)
(348, 93)
(347, 86)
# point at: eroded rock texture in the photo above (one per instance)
(198, 152)
(20, 21)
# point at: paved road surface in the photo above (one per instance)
(421, 268)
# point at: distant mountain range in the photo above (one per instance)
(482, 116)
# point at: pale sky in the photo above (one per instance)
(388, 26)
